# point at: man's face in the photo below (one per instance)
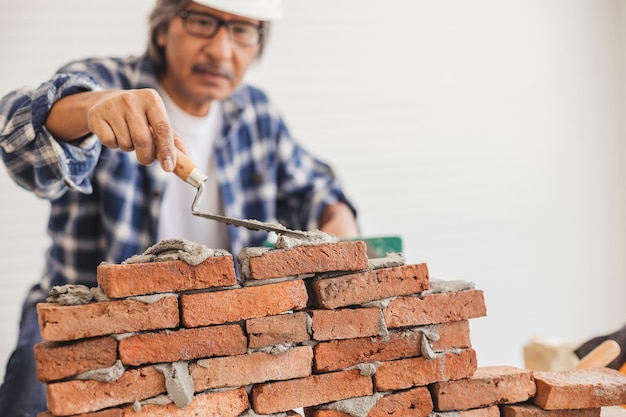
(200, 70)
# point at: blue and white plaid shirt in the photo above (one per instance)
(105, 206)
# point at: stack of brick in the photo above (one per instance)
(317, 327)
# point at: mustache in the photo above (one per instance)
(214, 68)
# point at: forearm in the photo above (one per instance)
(67, 119)
(338, 219)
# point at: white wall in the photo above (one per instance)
(486, 133)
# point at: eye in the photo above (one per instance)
(205, 23)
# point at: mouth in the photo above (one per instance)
(211, 70)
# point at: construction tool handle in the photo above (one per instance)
(187, 171)
(600, 356)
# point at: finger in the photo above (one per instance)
(141, 137)
(110, 127)
(163, 134)
(179, 143)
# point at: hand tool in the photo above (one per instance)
(600, 356)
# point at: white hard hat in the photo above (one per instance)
(253, 9)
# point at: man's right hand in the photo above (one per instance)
(131, 120)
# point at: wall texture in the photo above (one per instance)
(487, 135)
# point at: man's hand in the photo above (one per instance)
(125, 119)
(337, 219)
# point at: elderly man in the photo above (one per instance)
(86, 140)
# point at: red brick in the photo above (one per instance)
(339, 354)
(310, 412)
(230, 403)
(435, 308)
(480, 412)
(413, 372)
(277, 263)
(371, 285)
(203, 309)
(488, 386)
(62, 323)
(183, 345)
(313, 390)
(346, 323)
(583, 388)
(76, 397)
(276, 330)
(532, 410)
(125, 280)
(110, 412)
(491, 411)
(58, 360)
(252, 368)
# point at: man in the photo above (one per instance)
(87, 139)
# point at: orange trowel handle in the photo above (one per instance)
(187, 171)
(600, 356)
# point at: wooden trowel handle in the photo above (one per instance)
(600, 356)
(187, 171)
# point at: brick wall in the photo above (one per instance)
(318, 327)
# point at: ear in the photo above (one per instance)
(161, 37)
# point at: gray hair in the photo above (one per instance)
(162, 13)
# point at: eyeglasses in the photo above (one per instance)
(205, 25)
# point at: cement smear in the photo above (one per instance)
(312, 237)
(390, 260)
(71, 295)
(110, 374)
(243, 259)
(356, 407)
(178, 382)
(176, 249)
(439, 286)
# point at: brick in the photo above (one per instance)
(252, 368)
(230, 403)
(339, 354)
(435, 308)
(488, 386)
(313, 390)
(111, 412)
(184, 344)
(371, 285)
(532, 410)
(583, 388)
(76, 396)
(58, 360)
(327, 257)
(413, 372)
(125, 280)
(276, 330)
(346, 323)
(203, 309)
(491, 411)
(62, 323)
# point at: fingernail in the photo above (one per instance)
(167, 164)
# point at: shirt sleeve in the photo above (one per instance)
(33, 157)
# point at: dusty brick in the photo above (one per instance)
(327, 257)
(491, 411)
(339, 354)
(203, 309)
(479, 412)
(252, 368)
(313, 390)
(583, 388)
(435, 308)
(62, 323)
(110, 412)
(184, 344)
(230, 403)
(532, 410)
(413, 372)
(276, 330)
(490, 385)
(346, 323)
(58, 360)
(125, 280)
(77, 396)
(371, 285)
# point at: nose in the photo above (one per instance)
(219, 46)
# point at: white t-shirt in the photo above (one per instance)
(176, 220)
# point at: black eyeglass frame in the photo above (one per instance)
(184, 14)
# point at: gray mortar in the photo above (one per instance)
(178, 382)
(153, 298)
(366, 369)
(75, 294)
(312, 237)
(158, 400)
(382, 325)
(356, 407)
(389, 261)
(243, 259)
(251, 413)
(445, 414)
(379, 303)
(439, 286)
(176, 249)
(110, 374)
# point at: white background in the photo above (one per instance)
(488, 134)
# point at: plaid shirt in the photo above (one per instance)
(105, 206)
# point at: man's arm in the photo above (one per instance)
(338, 219)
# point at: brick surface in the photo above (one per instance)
(488, 386)
(111, 412)
(435, 308)
(415, 402)
(184, 344)
(372, 285)
(313, 390)
(340, 256)
(58, 360)
(413, 372)
(346, 323)
(203, 309)
(583, 388)
(339, 354)
(279, 329)
(76, 396)
(230, 403)
(62, 323)
(253, 368)
(121, 280)
(492, 411)
(532, 410)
